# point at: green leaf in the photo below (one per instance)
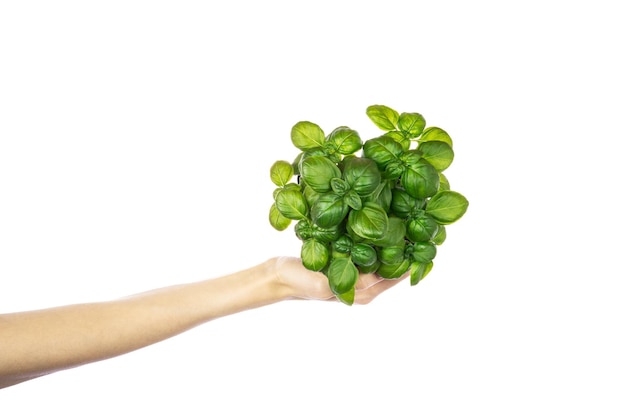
(447, 206)
(437, 153)
(313, 152)
(423, 252)
(440, 236)
(342, 275)
(310, 195)
(419, 271)
(353, 200)
(363, 254)
(396, 231)
(345, 140)
(277, 220)
(343, 244)
(329, 210)
(307, 135)
(404, 205)
(303, 229)
(393, 170)
(370, 222)
(392, 254)
(382, 150)
(411, 124)
(393, 271)
(421, 228)
(281, 173)
(326, 235)
(435, 134)
(369, 269)
(314, 254)
(348, 297)
(334, 253)
(420, 180)
(291, 204)
(444, 184)
(296, 163)
(384, 117)
(318, 171)
(339, 186)
(382, 195)
(362, 175)
(400, 138)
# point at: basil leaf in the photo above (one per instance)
(307, 135)
(393, 271)
(362, 175)
(291, 204)
(420, 180)
(393, 170)
(411, 157)
(396, 231)
(369, 269)
(339, 186)
(353, 200)
(310, 195)
(382, 150)
(447, 206)
(326, 235)
(435, 134)
(281, 173)
(303, 230)
(363, 254)
(423, 252)
(411, 124)
(392, 254)
(277, 220)
(440, 236)
(329, 210)
(343, 244)
(384, 117)
(404, 205)
(370, 222)
(314, 254)
(296, 163)
(342, 275)
(421, 228)
(345, 140)
(348, 297)
(400, 138)
(318, 171)
(382, 195)
(419, 271)
(444, 184)
(437, 153)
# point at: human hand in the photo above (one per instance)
(306, 284)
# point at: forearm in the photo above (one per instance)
(41, 342)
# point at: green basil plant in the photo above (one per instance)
(379, 206)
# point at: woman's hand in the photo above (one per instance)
(306, 284)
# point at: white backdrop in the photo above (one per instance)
(135, 146)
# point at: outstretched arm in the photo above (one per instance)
(37, 343)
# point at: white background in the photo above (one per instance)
(135, 146)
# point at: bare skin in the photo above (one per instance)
(37, 343)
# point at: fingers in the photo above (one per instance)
(366, 281)
(371, 287)
(311, 285)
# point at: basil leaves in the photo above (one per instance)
(383, 211)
